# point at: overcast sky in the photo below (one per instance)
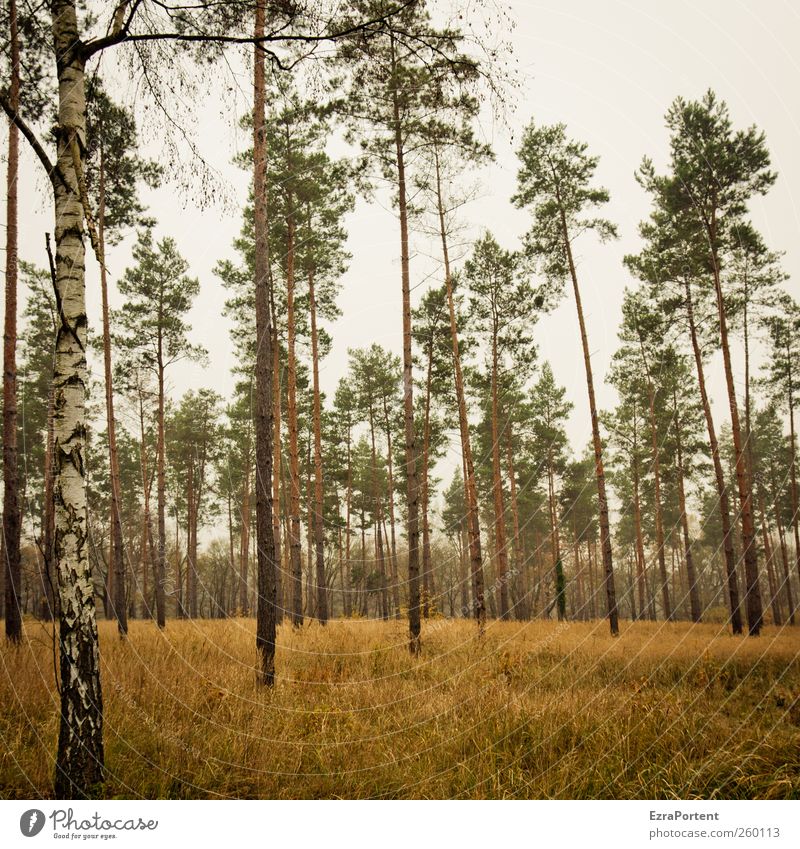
(609, 71)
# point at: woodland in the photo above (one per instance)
(210, 594)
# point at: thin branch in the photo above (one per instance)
(92, 47)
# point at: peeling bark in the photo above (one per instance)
(79, 760)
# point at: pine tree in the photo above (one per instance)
(555, 183)
(153, 329)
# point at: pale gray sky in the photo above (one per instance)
(606, 69)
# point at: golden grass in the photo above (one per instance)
(534, 710)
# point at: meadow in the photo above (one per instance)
(531, 710)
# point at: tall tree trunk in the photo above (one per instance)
(244, 540)
(265, 540)
(793, 470)
(426, 533)
(719, 475)
(470, 487)
(79, 760)
(11, 512)
(691, 575)
(378, 501)
(282, 578)
(161, 559)
(48, 520)
(408, 388)
(191, 576)
(787, 582)
(555, 542)
(117, 565)
(295, 554)
(774, 595)
(605, 532)
(521, 612)
(657, 507)
(319, 530)
(501, 552)
(348, 596)
(637, 522)
(393, 540)
(753, 591)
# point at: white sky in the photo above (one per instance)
(608, 70)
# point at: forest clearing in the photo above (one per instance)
(533, 710)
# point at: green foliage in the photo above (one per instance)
(555, 185)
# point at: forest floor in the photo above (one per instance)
(532, 710)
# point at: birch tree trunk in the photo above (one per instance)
(79, 759)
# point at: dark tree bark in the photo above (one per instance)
(471, 490)
(319, 529)
(117, 565)
(408, 392)
(11, 512)
(605, 532)
(266, 604)
(719, 474)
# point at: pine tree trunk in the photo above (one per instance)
(117, 564)
(348, 596)
(719, 475)
(774, 595)
(319, 530)
(244, 540)
(691, 576)
(11, 512)
(753, 592)
(501, 552)
(408, 390)
(787, 583)
(555, 542)
(161, 559)
(79, 760)
(395, 571)
(793, 471)
(521, 605)
(637, 522)
(470, 488)
(265, 540)
(605, 532)
(191, 576)
(282, 578)
(378, 502)
(657, 507)
(48, 520)
(426, 534)
(295, 554)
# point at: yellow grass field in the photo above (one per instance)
(533, 710)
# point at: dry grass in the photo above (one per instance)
(533, 710)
